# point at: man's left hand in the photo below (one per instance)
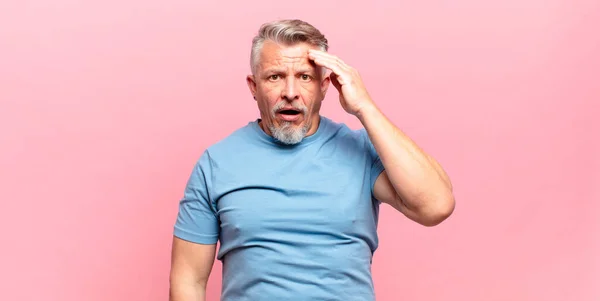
(353, 94)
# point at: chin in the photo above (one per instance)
(289, 133)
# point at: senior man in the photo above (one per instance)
(293, 197)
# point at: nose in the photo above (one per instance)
(290, 91)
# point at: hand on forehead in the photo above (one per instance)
(285, 61)
(286, 56)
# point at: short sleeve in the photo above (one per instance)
(376, 165)
(197, 219)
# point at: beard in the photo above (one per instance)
(287, 132)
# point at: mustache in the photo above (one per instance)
(280, 105)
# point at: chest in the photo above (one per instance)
(291, 197)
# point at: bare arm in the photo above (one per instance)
(191, 265)
(414, 183)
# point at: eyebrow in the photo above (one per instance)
(307, 70)
(274, 70)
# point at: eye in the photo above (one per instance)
(305, 77)
(274, 77)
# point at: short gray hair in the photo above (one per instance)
(286, 32)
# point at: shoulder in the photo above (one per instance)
(340, 130)
(229, 145)
(344, 136)
(233, 140)
(358, 135)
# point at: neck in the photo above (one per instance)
(314, 125)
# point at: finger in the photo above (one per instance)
(330, 64)
(344, 74)
(335, 82)
(317, 53)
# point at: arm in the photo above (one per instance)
(191, 264)
(413, 182)
(196, 233)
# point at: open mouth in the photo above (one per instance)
(291, 112)
(289, 115)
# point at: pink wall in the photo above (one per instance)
(105, 106)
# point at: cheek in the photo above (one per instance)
(269, 87)
(271, 92)
(311, 88)
(310, 93)
(264, 89)
(266, 103)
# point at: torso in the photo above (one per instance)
(296, 223)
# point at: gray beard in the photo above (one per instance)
(287, 133)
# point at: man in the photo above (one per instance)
(293, 197)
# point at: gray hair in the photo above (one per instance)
(285, 32)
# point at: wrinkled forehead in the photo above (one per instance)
(286, 57)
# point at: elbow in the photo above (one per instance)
(438, 212)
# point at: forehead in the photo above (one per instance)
(275, 55)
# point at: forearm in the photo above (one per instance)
(417, 178)
(183, 291)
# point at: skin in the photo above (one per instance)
(285, 74)
(191, 265)
(413, 182)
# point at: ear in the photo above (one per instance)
(251, 84)
(325, 84)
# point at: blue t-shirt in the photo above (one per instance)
(293, 222)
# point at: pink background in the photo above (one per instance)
(106, 105)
